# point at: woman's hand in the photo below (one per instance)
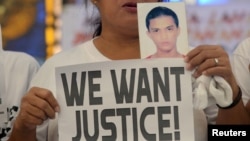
(211, 60)
(36, 106)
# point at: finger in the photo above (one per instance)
(37, 107)
(29, 119)
(194, 52)
(218, 71)
(198, 59)
(210, 64)
(41, 99)
(202, 59)
(49, 97)
(33, 111)
(202, 54)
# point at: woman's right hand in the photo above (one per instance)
(37, 106)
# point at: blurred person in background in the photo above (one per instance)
(241, 68)
(16, 71)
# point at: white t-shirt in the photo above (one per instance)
(240, 65)
(87, 53)
(17, 70)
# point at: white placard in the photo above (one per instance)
(125, 100)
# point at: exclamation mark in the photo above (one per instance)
(176, 124)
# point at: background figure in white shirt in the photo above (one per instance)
(241, 68)
(16, 71)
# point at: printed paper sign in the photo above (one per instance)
(128, 100)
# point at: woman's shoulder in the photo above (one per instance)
(19, 58)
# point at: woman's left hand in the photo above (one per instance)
(211, 60)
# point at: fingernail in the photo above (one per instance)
(196, 75)
(57, 109)
(204, 72)
(188, 66)
(185, 58)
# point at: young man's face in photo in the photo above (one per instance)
(163, 32)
